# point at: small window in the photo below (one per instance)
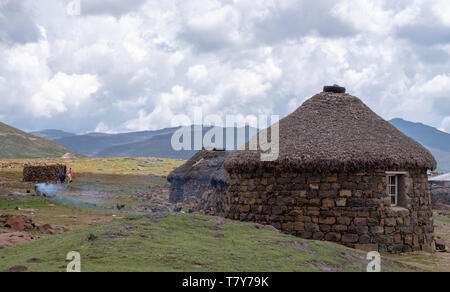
(393, 189)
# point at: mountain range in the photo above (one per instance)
(18, 144)
(93, 143)
(52, 134)
(438, 142)
(134, 144)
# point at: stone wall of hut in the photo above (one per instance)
(213, 201)
(201, 195)
(352, 209)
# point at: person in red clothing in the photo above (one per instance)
(70, 176)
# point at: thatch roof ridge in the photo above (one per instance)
(336, 132)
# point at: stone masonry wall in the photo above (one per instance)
(202, 195)
(440, 197)
(352, 209)
(43, 173)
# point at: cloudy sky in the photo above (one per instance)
(133, 65)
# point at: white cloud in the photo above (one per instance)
(134, 66)
(246, 84)
(439, 84)
(441, 8)
(62, 93)
(197, 73)
(445, 125)
(171, 104)
(366, 15)
(126, 105)
(270, 70)
(103, 128)
(218, 27)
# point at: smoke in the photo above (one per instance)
(58, 193)
(49, 189)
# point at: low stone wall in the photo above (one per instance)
(43, 173)
(352, 209)
(440, 198)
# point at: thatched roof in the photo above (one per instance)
(205, 166)
(333, 132)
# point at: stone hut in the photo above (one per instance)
(343, 174)
(440, 191)
(43, 173)
(202, 182)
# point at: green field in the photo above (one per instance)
(184, 243)
(138, 238)
(102, 166)
(52, 212)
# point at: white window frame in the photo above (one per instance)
(396, 172)
(389, 189)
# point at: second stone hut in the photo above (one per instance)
(202, 182)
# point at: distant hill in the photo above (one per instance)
(160, 146)
(436, 141)
(52, 134)
(155, 146)
(134, 144)
(443, 159)
(15, 143)
(426, 135)
(93, 143)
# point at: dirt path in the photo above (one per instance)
(442, 231)
(10, 237)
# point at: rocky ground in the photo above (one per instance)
(17, 229)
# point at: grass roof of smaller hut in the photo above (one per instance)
(333, 132)
(206, 166)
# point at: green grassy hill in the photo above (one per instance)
(18, 144)
(185, 243)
